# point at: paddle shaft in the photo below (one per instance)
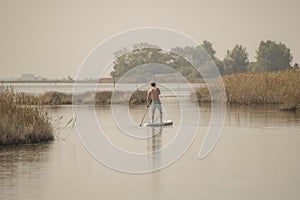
(145, 113)
(144, 116)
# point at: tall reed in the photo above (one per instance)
(259, 88)
(120, 97)
(21, 122)
(55, 98)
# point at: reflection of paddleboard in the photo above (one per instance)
(164, 123)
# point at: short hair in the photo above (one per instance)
(153, 84)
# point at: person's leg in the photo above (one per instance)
(152, 116)
(160, 112)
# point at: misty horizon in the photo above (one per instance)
(52, 39)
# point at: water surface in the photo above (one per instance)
(257, 157)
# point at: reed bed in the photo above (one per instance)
(138, 97)
(120, 97)
(103, 97)
(49, 98)
(55, 98)
(98, 98)
(281, 87)
(21, 122)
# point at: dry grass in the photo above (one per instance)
(120, 97)
(138, 97)
(21, 122)
(259, 88)
(103, 97)
(55, 98)
(49, 98)
(99, 98)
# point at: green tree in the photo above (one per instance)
(220, 65)
(236, 60)
(202, 56)
(273, 56)
(251, 66)
(181, 59)
(208, 47)
(125, 62)
(149, 56)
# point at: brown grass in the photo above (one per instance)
(120, 97)
(103, 97)
(259, 88)
(138, 97)
(55, 98)
(21, 122)
(99, 98)
(49, 98)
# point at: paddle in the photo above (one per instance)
(145, 113)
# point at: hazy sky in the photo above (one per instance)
(52, 38)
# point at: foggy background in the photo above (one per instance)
(52, 38)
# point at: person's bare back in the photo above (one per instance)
(153, 99)
(154, 93)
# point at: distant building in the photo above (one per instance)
(31, 77)
(27, 77)
(40, 78)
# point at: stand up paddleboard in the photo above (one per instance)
(155, 124)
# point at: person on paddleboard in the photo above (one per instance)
(153, 99)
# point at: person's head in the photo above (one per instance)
(153, 84)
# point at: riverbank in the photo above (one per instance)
(21, 122)
(241, 89)
(260, 88)
(99, 98)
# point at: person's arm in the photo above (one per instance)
(148, 98)
(158, 91)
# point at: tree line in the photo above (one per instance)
(270, 56)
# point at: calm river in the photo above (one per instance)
(257, 157)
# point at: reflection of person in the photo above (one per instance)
(153, 98)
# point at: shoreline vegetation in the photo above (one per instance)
(101, 80)
(22, 123)
(282, 87)
(137, 97)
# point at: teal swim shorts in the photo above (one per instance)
(156, 105)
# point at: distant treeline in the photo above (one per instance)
(248, 88)
(270, 56)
